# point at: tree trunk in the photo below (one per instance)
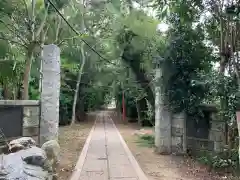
(15, 89)
(238, 126)
(77, 86)
(76, 98)
(6, 92)
(138, 113)
(42, 37)
(133, 60)
(237, 112)
(40, 70)
(223, 62)
(25, 94)
(27, 75)
(83, 60)
(80, 105)
(143, 107)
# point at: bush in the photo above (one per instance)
(146, 140)
(228, 159)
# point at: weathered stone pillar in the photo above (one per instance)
(238, 119)
(178, 133)
(216, 134)
(162, 116)
(50, 93)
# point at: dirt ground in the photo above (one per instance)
(162, 167)
(71, 140)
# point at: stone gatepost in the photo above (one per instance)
(162, 115)
(50, 93)
(217, 135)
(179, 134)
(238, 118)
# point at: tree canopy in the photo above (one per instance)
(111, 48)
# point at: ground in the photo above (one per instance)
(161, 167)
(71, 140)
(155, 166)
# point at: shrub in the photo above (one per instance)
(228, 159)
(146, 140)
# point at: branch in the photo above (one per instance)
(46, 31)
(58, 28)
(65, 39)
(26, 8)
(236, 70)
(12, 31)
(43, 22)
(12, 41)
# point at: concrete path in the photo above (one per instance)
(105, 155)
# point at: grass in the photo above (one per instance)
(146, 140)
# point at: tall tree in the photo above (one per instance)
(82, 64)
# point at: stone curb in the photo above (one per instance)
(78, 168)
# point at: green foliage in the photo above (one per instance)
(95, 98)
(6, 6)
(186, 57)
(66, 99)
(146, 140)
(58, 3)
(4, 49)
(150, 113)
(135, 22)
(221, 88)
(34, 93)
(114, 28)
(228, 159)
(188, 10)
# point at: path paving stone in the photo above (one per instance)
(106, 157)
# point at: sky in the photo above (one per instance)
(162, 27)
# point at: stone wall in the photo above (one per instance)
(180, 141)
(31, 116)
(178, 132)
(217, 135)
(31, 122)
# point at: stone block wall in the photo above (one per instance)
(31, 116)
(178, 132)
(31, 122)
(217, 135)
(180, 141)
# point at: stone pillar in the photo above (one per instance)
(179, 134)
(217, 135)
(162, 117)
(238, 119)
(50, 93)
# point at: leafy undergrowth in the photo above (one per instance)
(146, 140)
(224, 162)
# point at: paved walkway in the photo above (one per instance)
(105, 155)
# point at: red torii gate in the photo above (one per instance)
(123, 107)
